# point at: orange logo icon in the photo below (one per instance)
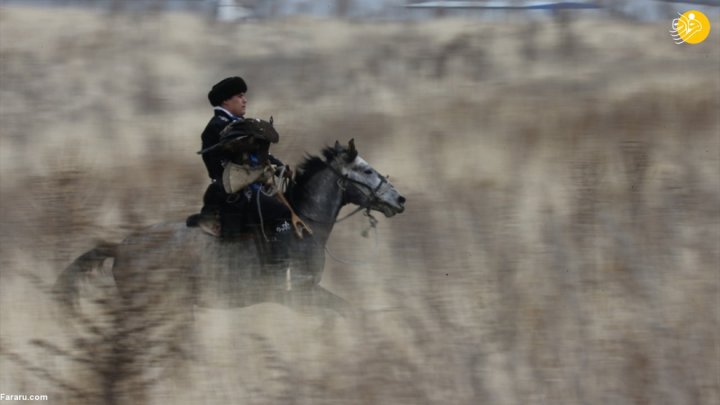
(691, 27)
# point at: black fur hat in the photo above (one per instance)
(226, 89)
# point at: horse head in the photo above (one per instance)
(362, 184)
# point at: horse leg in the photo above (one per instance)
(66, 288)
(158, 304)
(316, 297)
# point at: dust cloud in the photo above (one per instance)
(560, 245)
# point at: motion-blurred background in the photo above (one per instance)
(561, 241)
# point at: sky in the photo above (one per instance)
(641, 9)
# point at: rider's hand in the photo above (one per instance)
(285, 171)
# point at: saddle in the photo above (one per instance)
(231, 215)
(271, 241)
(238, 214)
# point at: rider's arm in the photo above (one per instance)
(213, 159)
(275, 161)
(280, 166)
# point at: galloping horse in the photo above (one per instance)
(218, 272)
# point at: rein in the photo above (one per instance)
(368, 191)
(342, 182)
(364, 188)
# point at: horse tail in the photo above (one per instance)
(66, 286)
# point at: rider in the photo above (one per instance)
(223, 210)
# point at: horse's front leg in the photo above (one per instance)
(313, 298)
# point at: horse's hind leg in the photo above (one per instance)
(157, 302)
(66, 289)
(318, 298)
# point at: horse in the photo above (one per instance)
(200, 269)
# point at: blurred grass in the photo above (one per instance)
(562, 237)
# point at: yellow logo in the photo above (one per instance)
(691, 27)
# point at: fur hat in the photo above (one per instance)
(226, 89)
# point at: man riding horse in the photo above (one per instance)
(241, 196)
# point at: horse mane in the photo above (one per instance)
(311, 166)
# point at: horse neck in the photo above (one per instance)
(319, 201)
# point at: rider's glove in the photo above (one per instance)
(285, 171)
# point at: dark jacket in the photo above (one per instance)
(211, 135)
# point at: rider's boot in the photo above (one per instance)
(210, 224)
(209, 217)
(207, 220)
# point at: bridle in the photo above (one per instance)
(372, 194)
(343, 181)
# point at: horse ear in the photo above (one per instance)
(352, 152)
(337, 146)
(271, 120)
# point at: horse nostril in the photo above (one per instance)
(401, 200)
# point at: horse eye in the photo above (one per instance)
(368, 171)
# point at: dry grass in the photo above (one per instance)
(562, 237)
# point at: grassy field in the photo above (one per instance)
(561, 242)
